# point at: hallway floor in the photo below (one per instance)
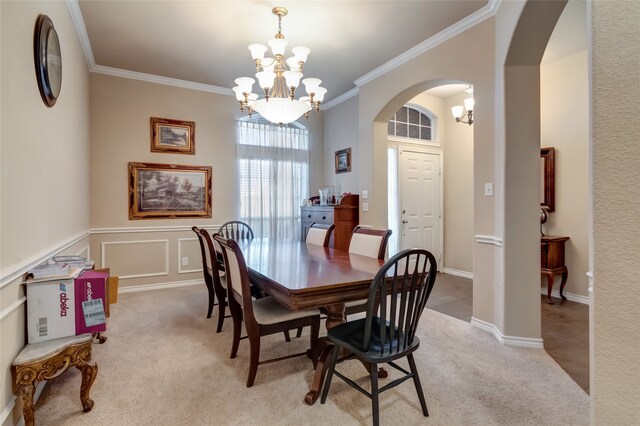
(565, 326)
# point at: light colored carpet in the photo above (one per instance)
(163, 364)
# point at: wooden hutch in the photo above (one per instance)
(345, 217)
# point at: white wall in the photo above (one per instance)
(564, 125)
(44, 159)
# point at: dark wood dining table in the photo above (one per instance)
(302, 276)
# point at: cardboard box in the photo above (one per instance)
(51, 312)
(112, 289)
(90, 302)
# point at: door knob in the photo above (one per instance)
(405, 221)
(404, 211)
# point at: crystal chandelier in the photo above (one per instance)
(279, 78)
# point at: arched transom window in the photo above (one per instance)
(411, 123)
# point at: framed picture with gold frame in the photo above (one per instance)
(169, 191)
(343, 160)
(173, 136)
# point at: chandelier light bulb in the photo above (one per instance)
(293, 78)
(278, 46)
(245, 83)
(293, 64)
(257, 51)
(239, 94)
(319, 96)
(265, 79)
(301, 53)
(311, 85)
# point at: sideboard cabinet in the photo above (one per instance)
(345, 217)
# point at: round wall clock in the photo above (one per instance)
(48, 60)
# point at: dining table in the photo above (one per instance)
(303, 276)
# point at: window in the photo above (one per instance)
(411, 123)
(273, 171)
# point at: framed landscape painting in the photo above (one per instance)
(169, 191)
(173, 136)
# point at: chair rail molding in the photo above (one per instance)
(22, 268)
(141, 229)
(489, 239)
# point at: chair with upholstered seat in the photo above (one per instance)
(319, 234)
(388, 332)
(236, 230)
(208, 278)
(262, 317)
(371, 243)
(219, 280)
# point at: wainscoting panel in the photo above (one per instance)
(136, 259)
(189, 250)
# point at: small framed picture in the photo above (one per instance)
(173, 136)
(343, 160)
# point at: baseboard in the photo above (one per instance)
(160, 286)
(586, 300)
(8, 409)
(515, 341)
(458, 273)
(12, 403)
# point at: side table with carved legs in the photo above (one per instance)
(47, 360)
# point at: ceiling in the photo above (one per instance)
(206, 41)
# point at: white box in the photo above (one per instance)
(51, 310)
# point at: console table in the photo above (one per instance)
(49, 359)
(552, 262)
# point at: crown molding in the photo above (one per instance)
(81, 30)
(475, 18)
(158, 79)
(339, 99)
(83, 36)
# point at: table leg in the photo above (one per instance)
(26, 396)
(335, 316)
(89, 373)
(565, 274)
(550, 278)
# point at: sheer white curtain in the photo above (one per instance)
(273, 169)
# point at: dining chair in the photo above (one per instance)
(208, 276)
(219, 280)
(371, 243)
(388, 332)
(319, 234)
(236, 230)
(262, 317)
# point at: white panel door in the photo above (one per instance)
(420, 210)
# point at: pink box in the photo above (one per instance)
(90, 285)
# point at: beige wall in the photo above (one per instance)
(564, 125)
(615, 85)
(149, 252)
(340, 134)
(466, 57)
(458, 190)
(45, 167)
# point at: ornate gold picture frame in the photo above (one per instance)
(169, 191)
(173, 136)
